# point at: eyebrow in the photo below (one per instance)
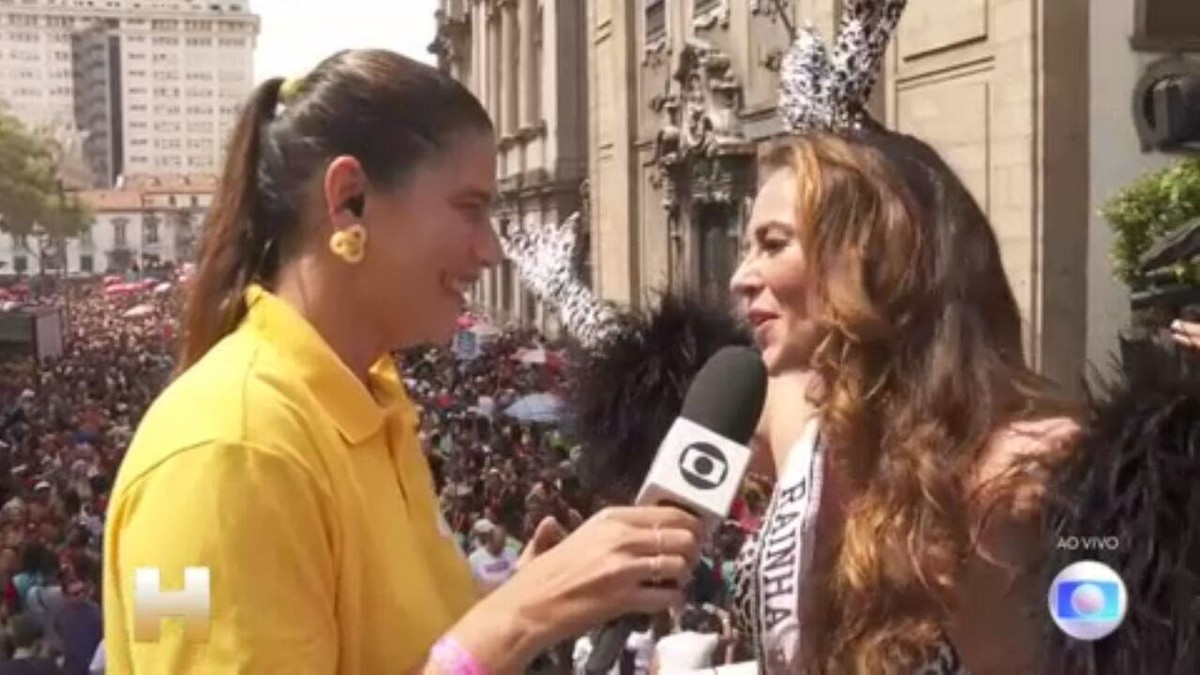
(485, 196)
(774, 225)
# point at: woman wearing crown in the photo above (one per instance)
(903, 530)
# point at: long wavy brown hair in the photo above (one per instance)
(921, 361)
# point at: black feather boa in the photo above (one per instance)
(1136, 477)
(623, 397)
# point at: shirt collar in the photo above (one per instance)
(357, 414)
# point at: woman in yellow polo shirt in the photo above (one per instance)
(283, 461)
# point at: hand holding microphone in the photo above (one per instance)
(700, 464)
(622, 559)
(631, 560)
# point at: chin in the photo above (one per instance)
(781, 358)
(770, 359)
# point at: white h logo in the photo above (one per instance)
(151, 604)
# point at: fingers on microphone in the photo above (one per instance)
(652, 516)
(680, 542)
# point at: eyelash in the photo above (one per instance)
(773, 245)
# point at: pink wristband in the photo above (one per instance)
(453, 659)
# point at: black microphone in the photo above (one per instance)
(700, 464)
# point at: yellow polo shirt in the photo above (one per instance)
(307, 498)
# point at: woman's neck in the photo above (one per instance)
(788, 399)
(337, 321)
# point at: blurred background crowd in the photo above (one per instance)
(490, 422)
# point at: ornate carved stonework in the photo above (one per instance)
(701, 140)
(718, 15)
(451, 42)
(775, 10)
(654, 52)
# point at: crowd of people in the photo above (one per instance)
(499, 476)
(67, 421)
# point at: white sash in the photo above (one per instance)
(785, 553)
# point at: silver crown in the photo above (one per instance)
(824, 91)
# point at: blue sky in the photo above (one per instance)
(297, 34)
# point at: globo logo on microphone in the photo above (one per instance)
(698, 470)
(703, 466)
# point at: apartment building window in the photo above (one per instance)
(701, 6)
(86, 264)
(21, 241)
(120, 233)
(1166, 25)
(656, 20)
(150, 231)
(20, 264)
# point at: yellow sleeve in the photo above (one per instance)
(259, 522)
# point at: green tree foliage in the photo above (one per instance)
(30, 191)
(1153, 205)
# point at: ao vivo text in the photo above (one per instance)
(1089, 543)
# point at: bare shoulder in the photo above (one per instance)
(998, 588)
(1018, 457)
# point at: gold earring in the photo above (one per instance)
(349, 244)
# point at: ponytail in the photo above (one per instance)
(234, 245)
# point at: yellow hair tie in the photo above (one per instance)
(290, 89)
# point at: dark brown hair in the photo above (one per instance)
(921, 359)
(388, 111)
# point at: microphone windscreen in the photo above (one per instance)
(623, 398)
(728, 394)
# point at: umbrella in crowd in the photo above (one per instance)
(539, 356)
(138, 311)
(541, 407)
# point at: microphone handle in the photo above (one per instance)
(609, 644)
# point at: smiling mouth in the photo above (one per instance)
(757, 319)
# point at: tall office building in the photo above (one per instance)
(153, 86)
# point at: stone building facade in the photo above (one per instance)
(1030, 101)
(683, 96)
(525, 60)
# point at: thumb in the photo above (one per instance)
(547, 534)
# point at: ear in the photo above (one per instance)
(345, 188)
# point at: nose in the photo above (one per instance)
(746, 282)
(488, 249)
